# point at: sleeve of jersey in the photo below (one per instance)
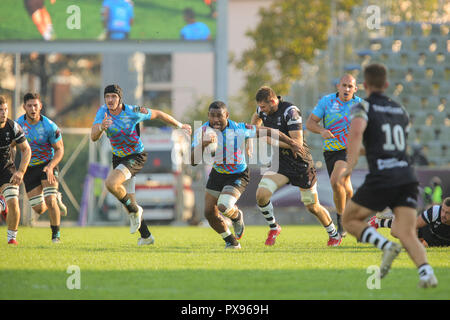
(197, 137)
(258, 111)
(19, 136)
(319, 109)
(359, 110)
(431, 214)
(55, 133)
(99, 116)
(293, 118)
(142, 113)
(250, 130)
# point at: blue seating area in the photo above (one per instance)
(418, 60)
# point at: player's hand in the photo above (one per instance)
(326, 134)
(297, 149)
(207, 140)
(106, 123)
(52, 1)
(50, 176)
(17, 178)
(186, 127)
(249, 148)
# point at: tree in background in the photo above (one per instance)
(289, 32)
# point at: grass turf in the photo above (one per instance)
(153, 19)
(190, 263)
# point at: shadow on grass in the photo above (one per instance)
(206, 284)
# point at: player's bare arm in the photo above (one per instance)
(256, 120)
(24, 161)
(98, 128)
(312, 124)
(420, 222)
(160, 115)
(284, 140)
(59, 154)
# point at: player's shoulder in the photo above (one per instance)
(14, 126)
(432, 214)
(48, 121)
(10, 123)
(102, 108)
(357, 99)
(234, 125)
(328, 98)
(289, 109)
(20, 120)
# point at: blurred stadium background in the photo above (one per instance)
(253, 43)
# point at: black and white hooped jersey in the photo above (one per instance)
(432, 217)
(11, 132)
(385, 141)
(288, 117)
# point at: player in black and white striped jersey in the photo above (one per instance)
(11, 135)
(433, 225)
(382, 125)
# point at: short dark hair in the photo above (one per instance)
(31, 96)
(189, 13)
(113, 88)
(447, 202)
(2, 100)
(375, 75)
(217, 105)
(265, 93)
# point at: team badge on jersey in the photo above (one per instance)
(138, 109)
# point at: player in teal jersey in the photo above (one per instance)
(229, 176)
(47, 150)
(120, 122)
(334, 110)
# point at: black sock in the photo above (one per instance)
(143, 230)
(231, 239)
(55, 232)
(130, 205)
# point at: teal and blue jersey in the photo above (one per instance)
(122, 133)
(195, 31)
(40, 136)
(336, 118)
(120, 14)
(230, 154)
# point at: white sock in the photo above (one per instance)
(331, 229)
(370, 235)
(11, 234)
(425, 271)
(225, 234)
(267, 212)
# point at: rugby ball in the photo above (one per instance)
(207, 135)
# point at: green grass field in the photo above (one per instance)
(190, 263)
(154, 19)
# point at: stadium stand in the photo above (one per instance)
(418, 61)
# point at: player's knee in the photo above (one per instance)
(226, 203)
(265, 190)
(336, 185)
(263, 195)
(37, 203)
(310, 199)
